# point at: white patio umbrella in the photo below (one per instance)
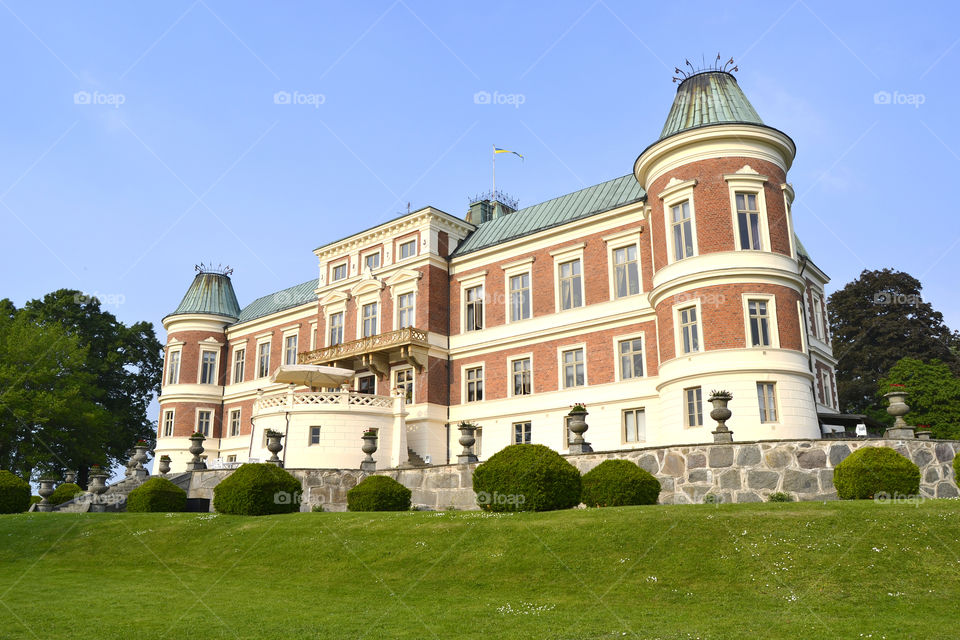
(312, 375)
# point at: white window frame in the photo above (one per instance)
(172, 415)
(329, 326)
(239, 413)
(527, 434)
(618, 369)
(395, 375)
(510, 387)
(826, 384)
(216, 366)
(369, 254)
(772, 327)
(686, 410)
(310, 429)
(623, 425)
(179, 358)
(403, 242)
(512, 270)
(333, 270)
(295, 334)
(464, 398)
(242, 362)
(470, 308)
(676, 192)
(260, 343)
(563, 256)
(748, 181)
(678, 334)
(357, 378)
(196, 421)
(313, 334)
(413, 308)
(611, 258)
(773, 396)
(468, 282)
(561, 378)
(818, 316)
(361, 328)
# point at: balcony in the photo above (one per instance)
(375, 352)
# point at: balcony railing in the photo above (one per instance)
(365, 348)
(323, 399)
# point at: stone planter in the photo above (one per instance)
(578, 425)
(923, 435)
(898, 408)
(274, 446)
(45, 491)
(467, 440)
(721, 414)
(369, 447)
(164, 466)
(139, 460)
(196, 448)
(98, 484)
(70, 477)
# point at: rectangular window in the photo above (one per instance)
(168, 423)
(759, 323)
(818, 327)
(372, 261)
(694, 404)
(768, 401)
(474, 384)
(473, 309)
(238, 365)
(521, 433)
(634, 425)
(571, 293)
(519, 297)
(521, 377)
(339, 272)
(626, 275)
(173, 367)
(682, 227)
(263, 360)
(336, 329)
(369, 319)
(367, 384)
(405, 310)
(631, 358)
(203, 422)
(827, 388)
(748, 220)
(231, 458)
(235, 422)
(290, 350)
(408, 249)
(314, 435)
(208, 367)
(405, 384)
(689, 330)
(573, 369)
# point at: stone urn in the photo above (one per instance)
(898, 408)
(45, 491)
(467, 440)
(97, 485)
(274, 446)
(196, 448)
(164, 465)
(139, 459)
(131, 464)
(577, 424)
(721, 413)
(70, 477)
(369, 447)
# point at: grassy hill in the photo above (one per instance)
(834, 570)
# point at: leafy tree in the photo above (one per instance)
(934, 395)
(876, 320)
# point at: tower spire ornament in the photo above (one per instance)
(716, 65)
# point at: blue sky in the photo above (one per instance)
(139, 139)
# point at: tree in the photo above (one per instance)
(877, 320)
(933, 395)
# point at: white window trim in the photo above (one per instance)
(196, 420)
(818, 309)
(173, 422)
(826, 382)
(678, 335)
(621, 241)
(563, 256)
(167, 363)
(510, 361)
(618, 374)
(368, 374)
(345, 263)
(310, 442)
(393, 379)
(513, 431)
(463, 381)
(469, 282)
(233, 364)
(313, 334)
(675, 193)
(230, 413)
(395, 293)
(256, 358)
(571, 347)
(703, 413)
(366, 254)
(623, 427)
(399, 242)
(776, 402)
(512, 270)
(771, 301)
(283, 343)
(216, 364)
(748, 182)
(362, 301)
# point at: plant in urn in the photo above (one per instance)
(720, 413)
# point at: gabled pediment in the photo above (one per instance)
(368, 285)
(403, 275)
(334, 297)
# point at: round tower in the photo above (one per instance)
(726, 287)
(195, 363)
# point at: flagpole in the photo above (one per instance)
(494, 158)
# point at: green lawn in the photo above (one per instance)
(810, 570)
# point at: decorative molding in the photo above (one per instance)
(676, 185)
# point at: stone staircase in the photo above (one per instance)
(114, 497)
(414, 459)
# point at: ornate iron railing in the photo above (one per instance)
(379, 342)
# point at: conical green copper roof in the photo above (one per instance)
(708, 98)
(210, 293)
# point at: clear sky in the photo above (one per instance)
(139, 139)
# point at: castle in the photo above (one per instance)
(637, 296)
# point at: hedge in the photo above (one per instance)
(617, 483)
(66, 491)
(870, 471)
(527, 477)
(14, 493)
(157, 495)
(256, 490)
(378, 493)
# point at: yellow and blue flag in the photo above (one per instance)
(499, 150)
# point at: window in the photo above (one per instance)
(208, 367)
(173, 367)
(290, 350)
(827, 387)
(634, 425)
(748, 221)
(521, 433)
(408, 249)
(367, 384)
(631, 358)
(682, 228)
(626, 276)
(818, 317)
(263, 360)
(336, 329)
(571, 295)
(405, 310)
(768, 401)
(168, 423)
(235, 422)
(405, 383)
(689, 330)
(759, 317)
(232, 458)
(573, 371)
(521, 377)
(340, 272)
(694, 404)
(519, 297)
(474, 384)
(372, 261)
(203, 422)
(369, 319)
(238, 364)
(473, 309)
(314, 435)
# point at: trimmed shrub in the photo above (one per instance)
(256, 490)
(617, 483)
(873, 470)
(780, 496)
(14, 493)
(527, 477)
(157, 495)
(66, 491)
(378, 493)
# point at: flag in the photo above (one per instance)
(499, 150)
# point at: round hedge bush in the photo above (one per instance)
(14, 493)
(378, 493)
(527, 477)
(66, 491)
(256, 490)
(870, 471)
(618, 483)
(157, 495)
